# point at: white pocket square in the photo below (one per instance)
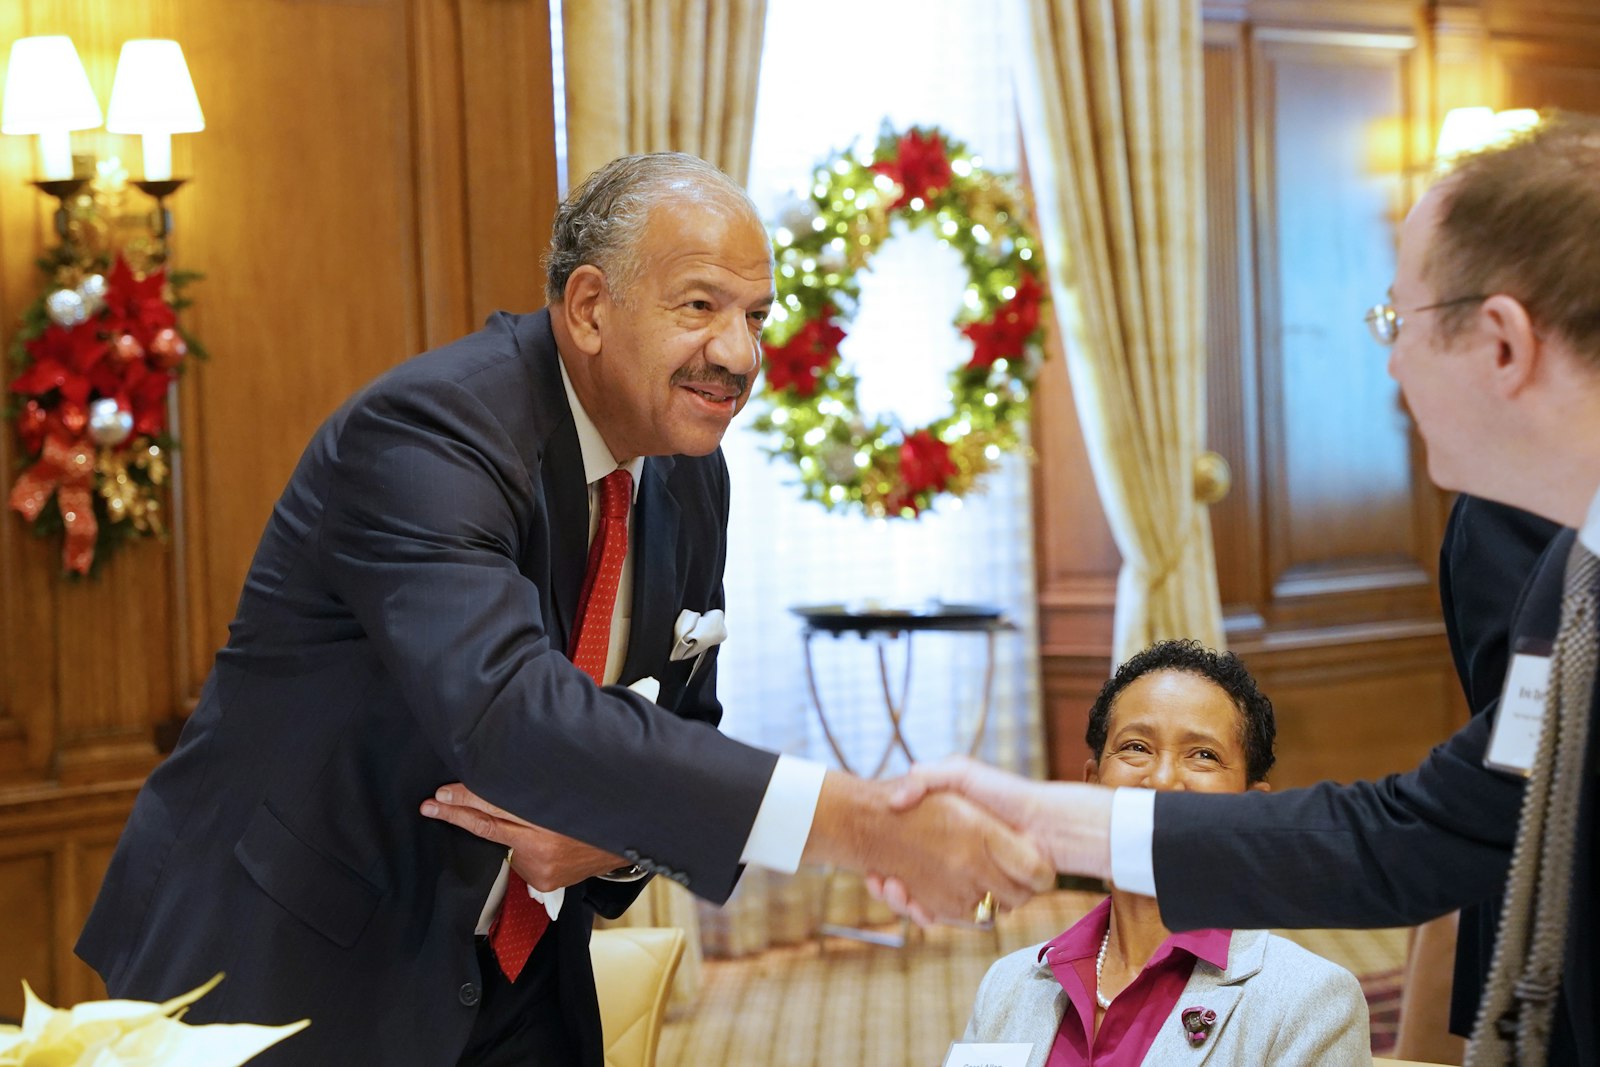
(694, 633)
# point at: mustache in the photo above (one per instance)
(711, 374)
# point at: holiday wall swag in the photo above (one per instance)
(808, 405)
(93, 364)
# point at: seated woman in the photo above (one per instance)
(1118, 988)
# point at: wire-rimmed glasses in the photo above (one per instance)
(1385, 322)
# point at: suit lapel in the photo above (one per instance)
(1220, 991)
(555, 454)
(567, 501)
(1040, 1010)
(656, 595)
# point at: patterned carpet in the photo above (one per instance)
(851, 1003)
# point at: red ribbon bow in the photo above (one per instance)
(66, 469)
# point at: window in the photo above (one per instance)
(832, 72)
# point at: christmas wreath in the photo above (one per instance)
(95, 358)
(808, 405)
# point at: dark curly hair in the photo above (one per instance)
(1257, 726)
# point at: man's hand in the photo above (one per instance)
(1070, 821)
(545, 859)
(946, 850)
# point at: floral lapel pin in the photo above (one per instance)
(1197, 1024)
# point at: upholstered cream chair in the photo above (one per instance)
(633, 968)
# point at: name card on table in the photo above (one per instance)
(993, 1054)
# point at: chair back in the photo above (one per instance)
(633, 969)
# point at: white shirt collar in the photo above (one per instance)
(597, 458)
(1589, 532)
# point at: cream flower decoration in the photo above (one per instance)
(131, 1033)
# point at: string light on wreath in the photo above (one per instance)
(808, 403)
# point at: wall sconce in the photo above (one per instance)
(1467, 129)
(47, 93)
(153, 95)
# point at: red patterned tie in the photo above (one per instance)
(522, 920)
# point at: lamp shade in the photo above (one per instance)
(1516, 120)
(152, 92)
(1468, 129)
(47, 90)
(1463, 130)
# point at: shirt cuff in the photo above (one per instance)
(778, 836)
(1133, 831)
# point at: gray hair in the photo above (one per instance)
(603, 219)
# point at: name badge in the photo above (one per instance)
(1004, 1054)
(1515, 741)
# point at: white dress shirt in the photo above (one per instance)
(1133, 811)
(783, 822)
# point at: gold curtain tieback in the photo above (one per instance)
(1212, 478)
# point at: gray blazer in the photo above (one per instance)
(1276, 1004)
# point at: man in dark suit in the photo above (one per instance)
(1494, 323)
(407, 623)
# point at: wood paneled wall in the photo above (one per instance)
(375, 177)
(1319, 119)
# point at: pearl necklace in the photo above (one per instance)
(1100, 965)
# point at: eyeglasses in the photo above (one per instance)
(1385, 322)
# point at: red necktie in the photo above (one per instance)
(522, 920)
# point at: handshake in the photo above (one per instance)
(954, 840)
(951, 841)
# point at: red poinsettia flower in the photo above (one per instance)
(925, 463)
(1004, 335)
(139, 388)
(137, 305)
(921, 167)
(62, 359)
(798, 363)
(144, 393)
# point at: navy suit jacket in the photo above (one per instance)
(1489, 553)
(1395, 852)
(402, 626)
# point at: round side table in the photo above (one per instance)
(882, 626)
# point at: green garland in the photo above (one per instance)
(808, 404)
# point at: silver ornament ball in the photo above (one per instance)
(109, 422)
(66, 308)
(797, 214)
(838, 462)
(93, 291)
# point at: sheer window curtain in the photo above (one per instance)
(1112, 116)
(831, 73)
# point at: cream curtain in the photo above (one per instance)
(654, 76)
(1112, 120)
(661, 75)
